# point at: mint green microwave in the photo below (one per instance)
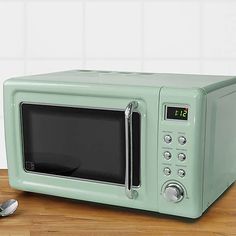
(158, 142)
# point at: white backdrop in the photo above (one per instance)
(179, 36)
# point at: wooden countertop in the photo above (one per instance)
(40, 215)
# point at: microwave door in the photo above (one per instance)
(86, 144)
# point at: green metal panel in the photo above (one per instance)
(193, 130)
(207, 82)
(90, 95)
(220, 153)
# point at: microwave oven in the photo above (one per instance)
(158, 142)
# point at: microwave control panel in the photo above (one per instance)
(174, 158)
(174, 164)
(177, 150)
(173, 154)
(174, 150)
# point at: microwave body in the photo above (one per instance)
(145, 141)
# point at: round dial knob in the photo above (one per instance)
(167, 155)
(173, 193)
(182, 140)
(167, 138)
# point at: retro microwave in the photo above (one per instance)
(158, 142)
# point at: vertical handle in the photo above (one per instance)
(130, 193)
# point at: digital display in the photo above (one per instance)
(176, 113)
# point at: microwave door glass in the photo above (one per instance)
(78, 142)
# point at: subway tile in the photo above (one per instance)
(9, 69)
(173, 66)
(3, 161)
(171, 29)
(114, 65)
(48, 66)
(219, 67)
(11, 29)
(113, 29)
(54, 29)
(219, 29)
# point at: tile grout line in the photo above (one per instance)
(110, 0)
(142, 37)
(117, 58)
(142, 31)
(84, 34)
(25, 40)
(201, 46)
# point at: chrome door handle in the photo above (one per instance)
(130, 193)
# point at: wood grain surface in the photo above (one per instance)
(41, 215)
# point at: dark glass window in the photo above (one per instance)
(78, 142)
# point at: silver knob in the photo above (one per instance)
(181, 173)
(182, 140)
(173, 193)
(181, 156)
(167, 171)
(167, 138)
(167, 155)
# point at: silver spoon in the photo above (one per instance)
(7, 208)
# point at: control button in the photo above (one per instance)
(181, 173)
(173, 193)
(181, 156)
(167, 155)
(167, 138)
(167, 171)
(182, 140)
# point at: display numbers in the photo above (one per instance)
(181, 113)
(176, 113)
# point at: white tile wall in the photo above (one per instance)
(173, 66)
(219, 29)
(172, 29)
(177, 36)
(47, 66)
(54, 29)
(9, 68)
(114, 64)
(113, 29)
(11, 29)
(219, 67)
